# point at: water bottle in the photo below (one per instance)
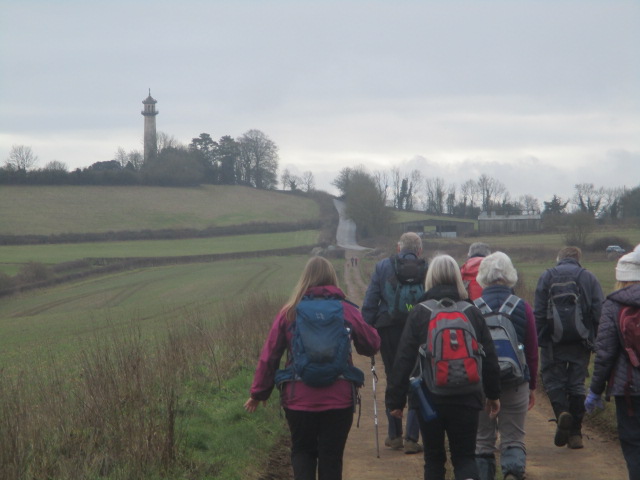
(426, 410)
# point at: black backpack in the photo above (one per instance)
(404, 289)
(564, 310)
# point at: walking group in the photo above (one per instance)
(462, 351)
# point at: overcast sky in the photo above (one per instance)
(538, 94)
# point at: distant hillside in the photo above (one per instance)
(46, 210)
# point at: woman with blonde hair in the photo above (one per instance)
(319, 418)
(457, 415)
(617, 368)
(497, 277)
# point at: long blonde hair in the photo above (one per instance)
(443, 270)
(317, 272)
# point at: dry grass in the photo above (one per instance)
(116, 414)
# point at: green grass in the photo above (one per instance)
(12, 257)
(54, 322)
(48, 210)
(221, 437)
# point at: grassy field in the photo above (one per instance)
(13, 257)
(48, 210)
(56, 321)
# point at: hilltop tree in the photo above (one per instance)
(308, 181)
(258, 160)
(227, 155)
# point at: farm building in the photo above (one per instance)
(493, 223)
(440, 227)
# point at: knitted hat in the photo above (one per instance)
(628, 268)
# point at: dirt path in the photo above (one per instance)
(600, 459)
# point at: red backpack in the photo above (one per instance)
(452, 357)
(629, 322)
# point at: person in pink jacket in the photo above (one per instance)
(319, 418)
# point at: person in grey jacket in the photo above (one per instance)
(612, 366)
(564, 366)
(375, 311)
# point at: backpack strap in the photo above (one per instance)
(482, 305)
(509, 304)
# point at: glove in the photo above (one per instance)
(592, 402)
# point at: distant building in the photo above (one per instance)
(493, 223)
(150, 136)
(434, 227)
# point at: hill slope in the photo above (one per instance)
(45, 210)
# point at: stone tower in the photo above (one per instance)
(150, 138)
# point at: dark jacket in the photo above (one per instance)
(375, 307)
(524, 323)
(610, 356)
(415, 334)
(592, 298)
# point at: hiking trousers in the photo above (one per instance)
(514, 402)
(389, 341)
(317, 442)
(564, 367)
(460, 424)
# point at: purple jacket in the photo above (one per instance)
(297, 395)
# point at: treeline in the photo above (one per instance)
(250, 160)
(432, 195)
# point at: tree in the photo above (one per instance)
(284, 178)
(365, 205)
(529, 205)
(343, 180)
(259, 159)
(164, 140)
(21, 158)
(308, 181)
(588, 198)
(56, 166)
(556, 206)
(227, 154)
(580, 225)
(630, 203)
(490, 189)
(436, 195)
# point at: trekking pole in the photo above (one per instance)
(375, 406)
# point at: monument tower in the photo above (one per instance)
(150, 138)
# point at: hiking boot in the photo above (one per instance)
(411, 447)
(394, 443)
(575, 442)
(565, 420)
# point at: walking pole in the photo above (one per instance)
(375, 406)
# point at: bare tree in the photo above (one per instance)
(284, 178)
(436, 195)
(308, 181)
(396, 185)
(21, 158)
(56, 166)
(589, 199)
(530, 205)
(166, 141)
(490, 190)
(381, 178)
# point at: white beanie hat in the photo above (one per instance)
(628, 268)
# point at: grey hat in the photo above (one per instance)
(628, 268)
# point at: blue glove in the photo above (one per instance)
(592, 402)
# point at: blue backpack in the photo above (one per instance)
(320, 345)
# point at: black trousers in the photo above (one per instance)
(317, 442)
(461, 426)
